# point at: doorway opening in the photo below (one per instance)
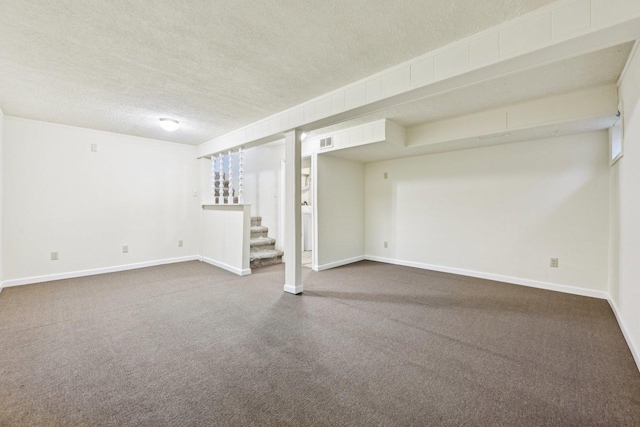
(306, 198)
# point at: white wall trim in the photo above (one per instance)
(497, 277)
(222, 265)
(337, 263)
(508, 279)
(634, 352)
(94, 271)
(291, 289)
(116, 268)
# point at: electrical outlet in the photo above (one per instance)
(94, 148)
(54, 256)
(180, 243)
(125, 249)
(386, 245)
(554, 262)
(386, 175)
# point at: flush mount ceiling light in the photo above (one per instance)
(169, 124)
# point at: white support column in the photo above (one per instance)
(241, 176)
(292, 214)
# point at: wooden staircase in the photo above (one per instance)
(263, 251)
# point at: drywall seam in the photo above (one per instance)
(627, 337)
(222, 265)
(94, 271)
(339, 263)
(497, 277)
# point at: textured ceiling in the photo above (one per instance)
(581, 72)
(119, 65)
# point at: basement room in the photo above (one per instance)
(300, 213)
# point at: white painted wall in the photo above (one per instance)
(340, 211)
(1, 195)
(262, 180)
(500, 211)
(60, 196)
(225, 237)
(625, 230)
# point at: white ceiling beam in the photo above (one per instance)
(561, 30)
(383, 130)
(576, 106)
(579, 111)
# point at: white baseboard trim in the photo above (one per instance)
(294, 289)
(634, 352)
(497, 277)
(94, 271)
(222, 265)
(337, 263)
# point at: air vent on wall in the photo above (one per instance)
(326, 143)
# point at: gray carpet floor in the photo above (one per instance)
(366, 344)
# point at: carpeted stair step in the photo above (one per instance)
(265, 257)
(259, 231)
(262, 251)
(260, 243)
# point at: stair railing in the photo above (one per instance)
(221, 179)
(230, 190)
(213, 180)
(218, 186)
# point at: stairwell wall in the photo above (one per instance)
(498, 212)
(1, 195)
(339, 188)
(625, 218)
(261, 184)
